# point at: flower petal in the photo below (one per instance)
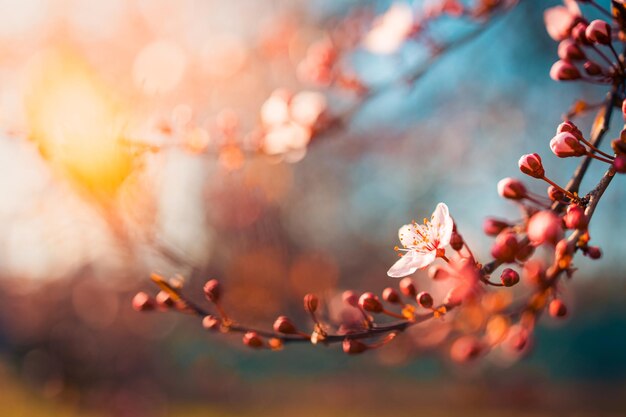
(411, 262)
(441, 225)
(408, 236)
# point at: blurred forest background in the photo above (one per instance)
(83, 221)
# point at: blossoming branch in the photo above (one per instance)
(480, 312)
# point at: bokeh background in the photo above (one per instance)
(85, 216)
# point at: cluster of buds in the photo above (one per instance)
(583, 45)
(403, 307)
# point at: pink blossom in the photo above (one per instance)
(559, 20)
(423, 242)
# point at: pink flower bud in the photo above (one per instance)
(213, 290)
(505, 247)
(566, 144)
(491, 226)
(575, 218)
(253, 340)
(579, 33)
(424, 299)
(353, 347)
(512, 189)
(407, 287)
(142, 302)
(370, 302)
(284, 325)
(555, 194)
(456, 241)
(545, 227)
(569, 126)
(557, 308)
(564, 71)
(391, 296)
(211, 322)
(619, 164)
(311, 302)
(509, 277)
(593, 252)
(351, 298)
(465, 348)
(592, 68)
(530, 164)
(624, 109)
(599, 31)
(164, 300)
(570, 51)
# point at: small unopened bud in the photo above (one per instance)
(545, 227)
(619, 164)
(579, 33)
(350, 297)
(570, 50)
(424, 299)
(555, 194)
(353, 347)
(142, 302)
(512, 189)
(592, 68)
(569, 126)
(407, 287)
(284, 325)
(575, 217)
(456, 241)
(370, 302)
(213, 290)
(505, 247)
(391, 296)
(599, 31)
(211, 322)
(311, 303)
(566, 144)
(557, 308)
(465, 348)
(530, 164)
(164, 300)
(624, 109)
(253, 340)
(564, 71)
(509, 277)
(593, 252)
(492, 227)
